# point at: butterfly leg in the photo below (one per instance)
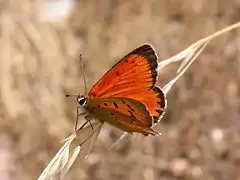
(87, 120)
(98, 128)
(76, 122)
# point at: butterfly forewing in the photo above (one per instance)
(133, 77)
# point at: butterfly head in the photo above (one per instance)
(82, 100)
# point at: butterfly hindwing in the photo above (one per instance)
(127, 114)
(134, 77)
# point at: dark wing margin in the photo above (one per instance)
(147, 51)
(162, 103)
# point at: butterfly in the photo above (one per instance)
(127, 96)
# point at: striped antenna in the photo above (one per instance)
(83, 74)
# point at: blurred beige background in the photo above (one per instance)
(39, 47)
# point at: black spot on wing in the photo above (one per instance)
(123, 101)
(132, 62)
(130, 108)
(131, 114)
(133, 119)
(115, 105)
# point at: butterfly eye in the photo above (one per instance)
(82, 101)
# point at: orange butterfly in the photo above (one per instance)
(126, 96)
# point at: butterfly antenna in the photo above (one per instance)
(83, 74)
(72, 95)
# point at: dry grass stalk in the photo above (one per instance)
(63, 160)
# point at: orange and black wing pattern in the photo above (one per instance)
(126, 114)
(134, 77)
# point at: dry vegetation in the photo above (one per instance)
(38, 66)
